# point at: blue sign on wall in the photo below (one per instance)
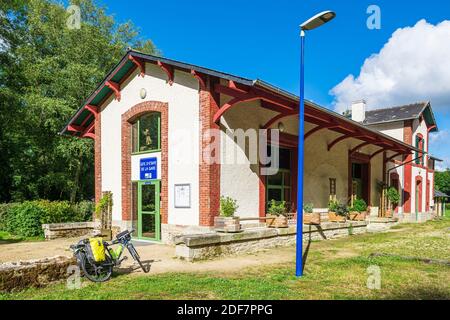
(148, 168)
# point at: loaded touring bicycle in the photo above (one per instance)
(96, 258)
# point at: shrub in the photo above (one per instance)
(359, 205)
(25, 219)
(393, 195)
(228, 206)
(308, 207)
(341, 209)
(5, 208)
(332, 205)
(84, 210)
(277, 208)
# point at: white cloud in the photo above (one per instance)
(444, 165)
(414, 65)
(440, 136)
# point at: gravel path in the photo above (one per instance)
(161, 257)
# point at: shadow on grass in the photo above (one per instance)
(420, 293)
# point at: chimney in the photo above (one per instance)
(359, 110)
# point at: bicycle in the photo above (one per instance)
(102, 271)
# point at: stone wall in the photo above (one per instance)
(16, 276)
(205, 246)
(68, 230)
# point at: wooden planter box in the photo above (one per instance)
(227, 224)
(311, 218)
(357, 216)
(333, 217)
(276, 221)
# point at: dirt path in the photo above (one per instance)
(161, 257)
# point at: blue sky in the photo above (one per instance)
(260, 39)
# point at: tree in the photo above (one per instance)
(442, 181)
(46, 73)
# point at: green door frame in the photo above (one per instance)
(156, 213)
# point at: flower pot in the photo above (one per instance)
(361, 216)
(333, 217)
(311, 218)
(227, 224)
(273, 221)
(353, 215)
(388, 213)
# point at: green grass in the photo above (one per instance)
(6, 237)
(335, 269)
(447, 210)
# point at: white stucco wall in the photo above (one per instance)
(393, 129)
(183, 137)
(239, 177)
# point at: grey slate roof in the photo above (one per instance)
(405, 112)
(439, 194)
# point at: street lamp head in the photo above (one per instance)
(318, 20)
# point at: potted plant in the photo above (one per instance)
(337, 212)
(394, 198)
(309, 217)
(276, 217)
(332, 210)
(227, 222)
(359, 210)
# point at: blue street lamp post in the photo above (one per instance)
(310, 24)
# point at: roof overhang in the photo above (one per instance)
(81, 123)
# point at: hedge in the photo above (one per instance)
(26, 219)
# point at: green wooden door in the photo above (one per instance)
(149, 225)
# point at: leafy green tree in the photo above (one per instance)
(442, 181)
(46, 72)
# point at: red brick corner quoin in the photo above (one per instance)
(209, 174)
(127, 119)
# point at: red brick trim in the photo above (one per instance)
(98, 158)
(407, 138)
(127, 118)
(209, 174)
(262, 194)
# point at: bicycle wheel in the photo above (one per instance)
(97, 273)
(136, 257)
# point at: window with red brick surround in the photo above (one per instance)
(127, 119)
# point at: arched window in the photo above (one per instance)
(146, 133)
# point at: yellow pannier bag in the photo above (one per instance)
(97, 249)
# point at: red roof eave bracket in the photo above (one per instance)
(168, 70)
(201, 79)
(139, 63)
(115, 87)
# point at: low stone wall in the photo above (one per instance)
(16, 276)
(205, 246)
(68, 230)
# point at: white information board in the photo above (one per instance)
(182, 196)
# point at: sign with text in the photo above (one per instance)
(149, 168)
